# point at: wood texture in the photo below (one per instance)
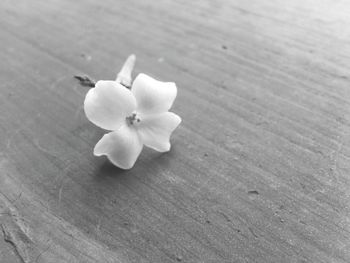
(259, 168)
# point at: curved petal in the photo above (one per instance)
(108, 104)
(122, 147)
(155, 130)
(153, 96)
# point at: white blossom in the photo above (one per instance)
(135, 117)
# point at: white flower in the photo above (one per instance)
(135, 117)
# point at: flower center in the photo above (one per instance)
(132, 119)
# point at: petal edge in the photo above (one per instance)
(108, 104)
(122, 147)
(155, 130)
(153, 96)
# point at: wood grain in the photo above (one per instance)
(259, 168)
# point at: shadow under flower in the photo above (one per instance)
(111, 190)
(107, 169)
(149, 160)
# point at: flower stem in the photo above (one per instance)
(85, 81)
(124, 76)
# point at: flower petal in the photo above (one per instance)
(122, 147)
(108, 104)
(155, 130)
(153, 96)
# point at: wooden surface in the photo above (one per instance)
(259, 168)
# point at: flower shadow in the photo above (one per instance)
(113, 190)
(107, 169)
(149, 169)
(148, 158)
(107, 178)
